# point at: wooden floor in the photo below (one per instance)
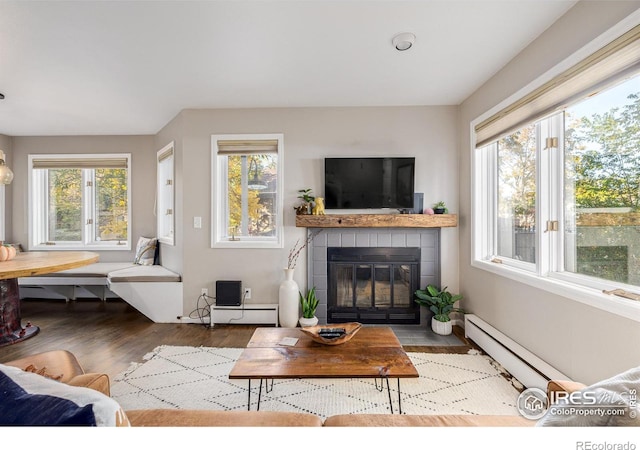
(107, 337)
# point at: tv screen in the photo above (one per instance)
(368, 183)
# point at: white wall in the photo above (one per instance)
(585, 343)
(310, 134)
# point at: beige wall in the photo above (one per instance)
(143, 180)
(310, 134)
(6, 145)
(585, 343)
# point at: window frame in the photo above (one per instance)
(549, 274)
(165, 193)
(219, 201)
(37, 207)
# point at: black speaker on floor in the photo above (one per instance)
(228, 293)
(418, 203)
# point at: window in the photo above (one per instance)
(247, 209)
(79, 202)
(557, 182)
(165, 195)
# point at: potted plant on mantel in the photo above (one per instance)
(309, 304)
(440, 302)
(308, 201)
(440, 208)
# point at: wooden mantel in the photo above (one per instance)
(377, 221)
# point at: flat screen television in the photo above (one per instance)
(369, 183)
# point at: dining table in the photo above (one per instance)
(26, 264)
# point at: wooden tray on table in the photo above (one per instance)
(316, 332)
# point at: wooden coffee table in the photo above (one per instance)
(374, 352)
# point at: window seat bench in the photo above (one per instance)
(154, 290)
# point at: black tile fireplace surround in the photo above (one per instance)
(373, 284)
(381, 273)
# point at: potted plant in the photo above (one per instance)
(309, 303)
(440, 302)
(440, 208)
(307, 198)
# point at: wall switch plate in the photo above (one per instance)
(197, 222)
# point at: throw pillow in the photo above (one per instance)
(32, 400)
(146, 251)
(611, 402)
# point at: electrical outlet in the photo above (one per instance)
(204, 291)
(247, 293)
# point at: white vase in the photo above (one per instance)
(442, 328)
(312, 322)
(288, 301)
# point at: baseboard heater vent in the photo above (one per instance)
(526, 367)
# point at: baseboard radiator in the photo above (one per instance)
(526, 367)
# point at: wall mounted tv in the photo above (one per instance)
(369, 183)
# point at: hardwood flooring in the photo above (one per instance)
(107, 337)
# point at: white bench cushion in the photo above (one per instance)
(138, 273)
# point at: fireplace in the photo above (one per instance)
(373, 284)
(405, 258)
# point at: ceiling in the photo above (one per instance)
(128, 67)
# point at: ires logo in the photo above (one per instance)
(574, 398)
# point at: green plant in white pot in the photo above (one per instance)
(441, 303)
(309, 304)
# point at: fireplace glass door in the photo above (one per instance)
(373, 287)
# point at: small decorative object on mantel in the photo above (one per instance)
(308, 201)
(318, 208)
(440, 208)
(333, 334)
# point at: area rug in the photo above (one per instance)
(197, 378)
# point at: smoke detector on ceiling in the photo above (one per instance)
(403, 41)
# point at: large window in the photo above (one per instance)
(165, 214)
(79, 201)
(247, 200)
(557, 182)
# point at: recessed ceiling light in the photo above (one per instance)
(1, 96)
(403, 41)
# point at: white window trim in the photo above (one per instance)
(218, 195)
(558, 283)
(163, 237)
(60, 246)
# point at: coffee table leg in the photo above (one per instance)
(399, 401)
(389, 392)
(259, 395)
(249, 397)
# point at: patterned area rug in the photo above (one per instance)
(197, 378)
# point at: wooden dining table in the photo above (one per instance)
(26, 264)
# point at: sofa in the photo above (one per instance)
(60, 369)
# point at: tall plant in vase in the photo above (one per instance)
(289, 291)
